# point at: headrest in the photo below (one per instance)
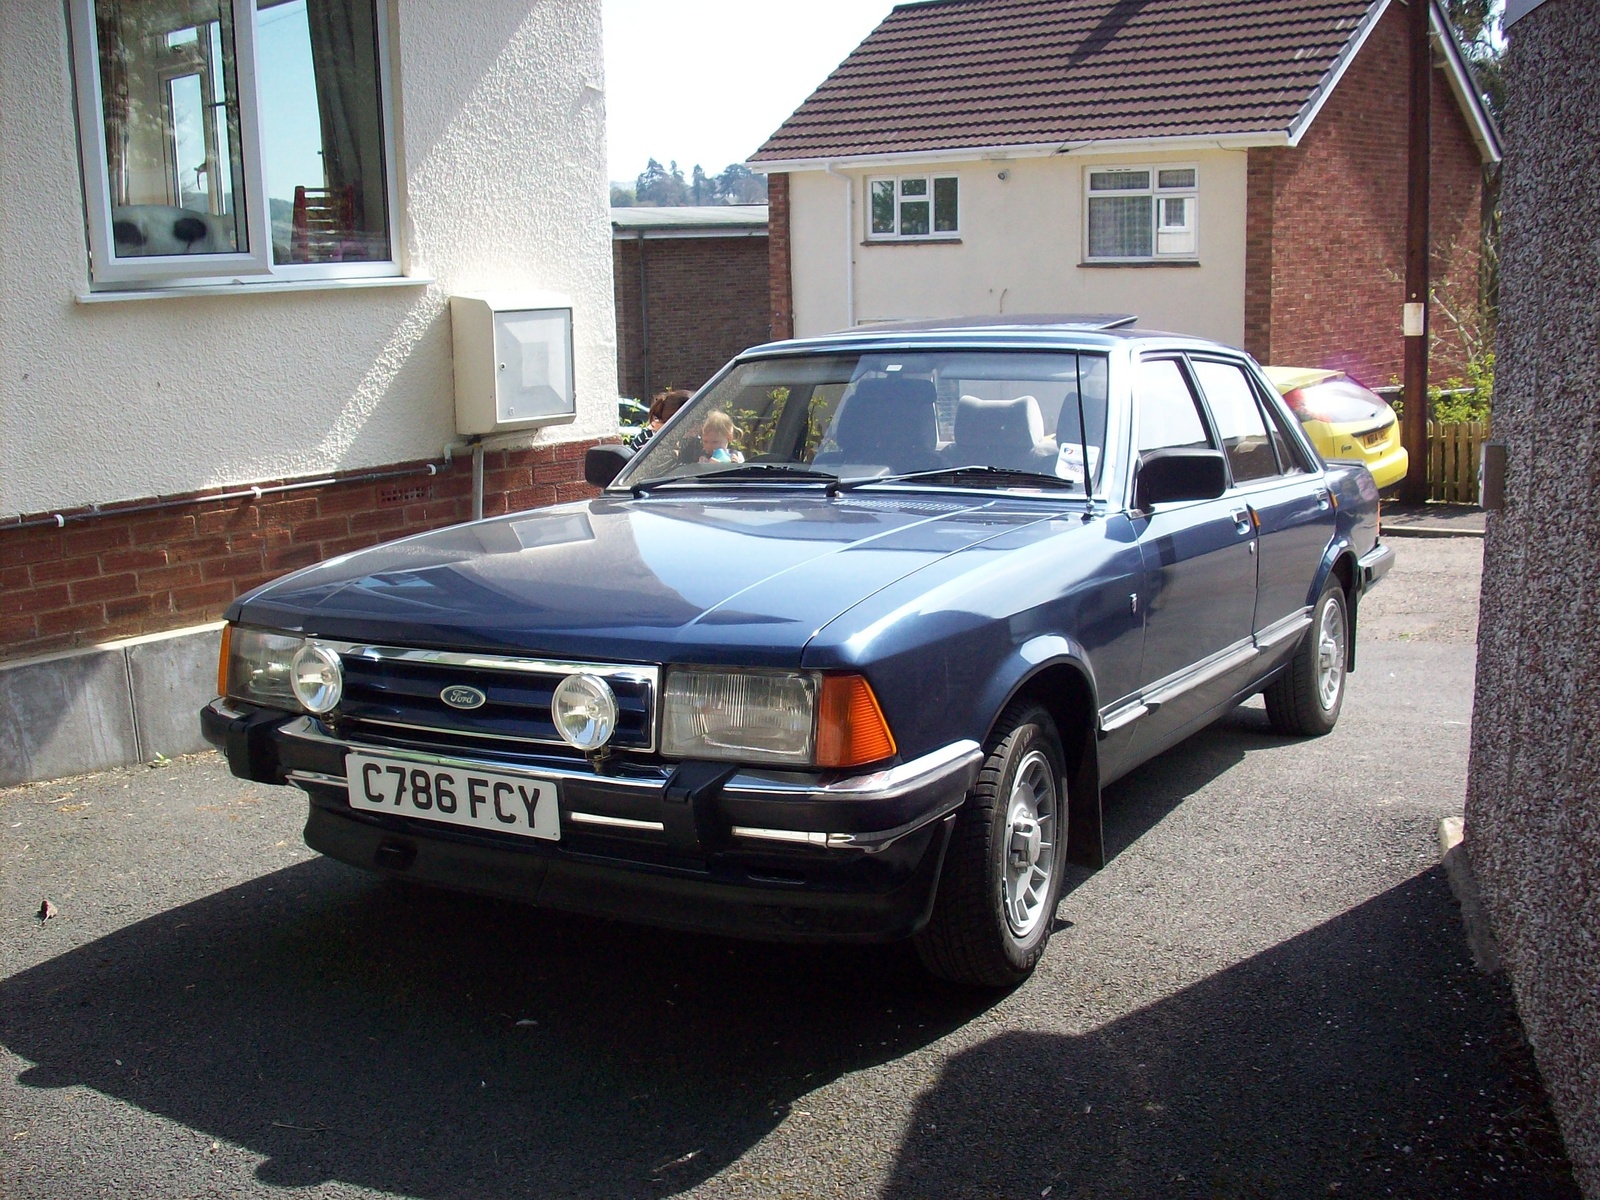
(1012, 424)
(894, 412)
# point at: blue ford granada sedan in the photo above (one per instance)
(846, 651)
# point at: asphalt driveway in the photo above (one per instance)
(1265, 993)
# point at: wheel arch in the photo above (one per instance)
(1340, 563)
(1055, 673)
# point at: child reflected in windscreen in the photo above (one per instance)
(716, 440)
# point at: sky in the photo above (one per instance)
(706, 81)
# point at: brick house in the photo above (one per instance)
(691, 291)
(1234, 169)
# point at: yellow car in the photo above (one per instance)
(1344, 419)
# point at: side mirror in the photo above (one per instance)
(1179, 473)
(602, 464)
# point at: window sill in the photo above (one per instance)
(927, 241)
(1141, 262)
(245, 287)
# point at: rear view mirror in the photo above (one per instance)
(1179, 473)
(602, 464)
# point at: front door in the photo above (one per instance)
(1199, 561)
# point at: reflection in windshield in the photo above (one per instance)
(858, 416)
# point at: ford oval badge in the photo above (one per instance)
(459, 695)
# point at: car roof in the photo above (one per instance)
(1023, 331)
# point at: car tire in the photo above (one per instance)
(997, 895)
(1305, 700)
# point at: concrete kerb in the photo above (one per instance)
(111, 705)
(1464, 884)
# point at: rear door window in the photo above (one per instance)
(1240, 423)
(1169, 412)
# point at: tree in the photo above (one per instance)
(1478, 23)
(659, 186)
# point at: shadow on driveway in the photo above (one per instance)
(367, 1032)
(1362, 1058)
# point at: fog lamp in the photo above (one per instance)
(584, 711)
(317, 677)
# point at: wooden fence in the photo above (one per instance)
(1453, 460)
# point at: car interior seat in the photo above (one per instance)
(1000, 433)
(888, 422)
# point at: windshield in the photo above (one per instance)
(869, 416)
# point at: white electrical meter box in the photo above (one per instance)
(513, 359)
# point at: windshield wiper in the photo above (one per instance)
(970, 474)
(746, 473)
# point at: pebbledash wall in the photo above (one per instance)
(1533, 810)
(1326, 228)
(117, 405)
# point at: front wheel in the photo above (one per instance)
(1305, 700)
(1002, 872)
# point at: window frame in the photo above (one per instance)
(933, 235)
(109, 272)
(1156, 193)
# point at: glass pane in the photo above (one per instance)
(944, 206)
(883, 206)
(913, 187)
(1118, 181)
(914, 217)
(1175, 178)
(1120, 227)
(1168, 412)
(172, 127)
(322, 130)
(1174, 213)
(1244, 434)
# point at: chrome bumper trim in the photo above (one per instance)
(1375, 564)
(888, 784)
(583, 818)
(956, 765)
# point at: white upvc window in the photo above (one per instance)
(913, 207)
(234, 139)
(1141, 214)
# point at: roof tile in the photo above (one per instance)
(960, 74)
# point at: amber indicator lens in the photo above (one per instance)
(851, 730)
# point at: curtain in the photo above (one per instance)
(108, 33)
(344, 57)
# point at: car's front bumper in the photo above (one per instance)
(698, 845)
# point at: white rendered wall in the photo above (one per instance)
(1020, 250)
(500, 124)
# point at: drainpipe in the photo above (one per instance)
(849, 245)
(644, 319)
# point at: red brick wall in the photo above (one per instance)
(780, 272)
(707, 302)
(1325, 230)
(124, 573)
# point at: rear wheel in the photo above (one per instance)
(1305, 700)
(1002, 872)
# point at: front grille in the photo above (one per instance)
(397, 691)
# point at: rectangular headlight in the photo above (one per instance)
(745, 716)
(258, 667)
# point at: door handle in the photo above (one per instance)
(1324, 500)
(1242, 520)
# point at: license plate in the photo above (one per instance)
(454, 795)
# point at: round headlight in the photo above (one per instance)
(317, 677)
(584, 711)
